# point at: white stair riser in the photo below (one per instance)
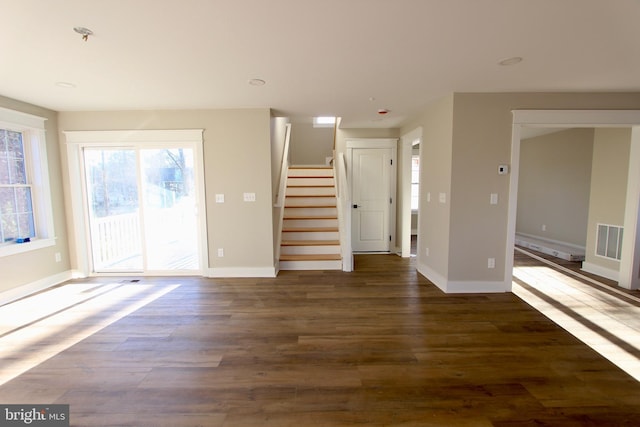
(308, 182)
(296, 223)
(310, 235)
(310, 250)
(311, 191)
(298, 185)
(310, 201)
(310, 211)
(311, 265)
(310, 172)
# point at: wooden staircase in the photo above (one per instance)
(310, 234)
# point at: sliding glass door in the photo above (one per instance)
(141, 205)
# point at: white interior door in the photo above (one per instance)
(371, 199)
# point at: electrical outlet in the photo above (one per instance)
(220, 252)
(58, 257)
(544, 227)
(426, 251)
(493, 199)
(491, 263)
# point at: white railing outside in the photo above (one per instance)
(344, 211)
(115, 238)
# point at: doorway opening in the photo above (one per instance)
(373, 194)
(141, 209)
(630, 260)
(138, 202)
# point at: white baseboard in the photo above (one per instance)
(33, 287)
(556, 248)
(475, 287)
(601, 271)
(241, 272)
(435, 278)
(461, 287)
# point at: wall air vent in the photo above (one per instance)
(609, 241)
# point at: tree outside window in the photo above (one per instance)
(16, 207)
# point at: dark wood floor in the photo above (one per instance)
(380, 346)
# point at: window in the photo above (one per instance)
(16, 207)
(415, 181)
(26, 219)
(324, 122)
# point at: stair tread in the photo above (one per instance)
(315, 257)
(310, 243)
(308, 229)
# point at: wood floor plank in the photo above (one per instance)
(379, 346)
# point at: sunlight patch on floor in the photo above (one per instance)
(37, 328)
(607, 322)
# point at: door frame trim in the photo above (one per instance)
(79, 227)
(391, 143)
(630, 263)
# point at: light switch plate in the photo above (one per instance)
(249, 197)
(219, 198)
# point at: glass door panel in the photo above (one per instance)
(114, 209)
(169, 206)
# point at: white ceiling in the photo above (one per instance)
(326, 57)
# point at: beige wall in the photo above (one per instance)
(33, 266)
(435, 178)
(237, 159)
(309, 145)
(466, 137)
(480, 141)
(554, 185)
(608, 187)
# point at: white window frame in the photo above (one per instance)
(76, 141)
(35, 146)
